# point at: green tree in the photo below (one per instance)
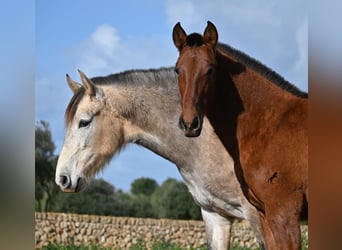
(173, 200)
(100, 198)
(45, 166)
(142, 206)
(124, 205)
(141, 191)
(143, 185)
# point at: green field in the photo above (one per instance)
(136, 247)
(139, 246)
(142, 246)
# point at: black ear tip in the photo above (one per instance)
(210, 23)
(177, 24)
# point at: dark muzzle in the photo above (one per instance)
(192, 129)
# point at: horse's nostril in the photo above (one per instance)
(195, 123)
(79, 185)
(181, 123)
(65, 181)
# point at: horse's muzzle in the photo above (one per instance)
(192, 129)
(71, 186)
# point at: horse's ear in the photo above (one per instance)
(210, 35)
(74, 86)
(179, 36)
(88, 84)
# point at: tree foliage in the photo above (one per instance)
(145, 186)
(170, 200)
(100, 198)
(45, 166)
(173, 200)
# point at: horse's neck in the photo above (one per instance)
(253, 90)
(156, 116)
(242, 97)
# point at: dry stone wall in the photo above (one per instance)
(123, 232)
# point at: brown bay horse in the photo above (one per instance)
(142, 106)
(260, 118)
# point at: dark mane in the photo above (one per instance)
(195, 40)
(73, 104)
(261, 69)
(161, 76)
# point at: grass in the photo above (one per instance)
(160, 246)
(141, 245)
(74, 247)
(305, 242)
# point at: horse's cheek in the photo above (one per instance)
(110, 137)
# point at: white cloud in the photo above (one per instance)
(105, 52)
(301, 64)
(106, 37)
(193, 14)
(183, 11)
(101, 51)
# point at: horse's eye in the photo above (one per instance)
(177, 71)
(84, 123)
(210, 71)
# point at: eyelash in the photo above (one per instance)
(84, 123)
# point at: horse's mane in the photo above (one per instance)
(160, 76)
(73, 104)
(261, 69)
(195, 39)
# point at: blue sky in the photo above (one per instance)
(104, 37)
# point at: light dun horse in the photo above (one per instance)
(141, 107)
(260, 118)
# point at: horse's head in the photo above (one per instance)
(88, 143)
(196, 74)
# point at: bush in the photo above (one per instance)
(73, 247)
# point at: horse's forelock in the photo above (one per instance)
(194, 40)
(73, 104)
